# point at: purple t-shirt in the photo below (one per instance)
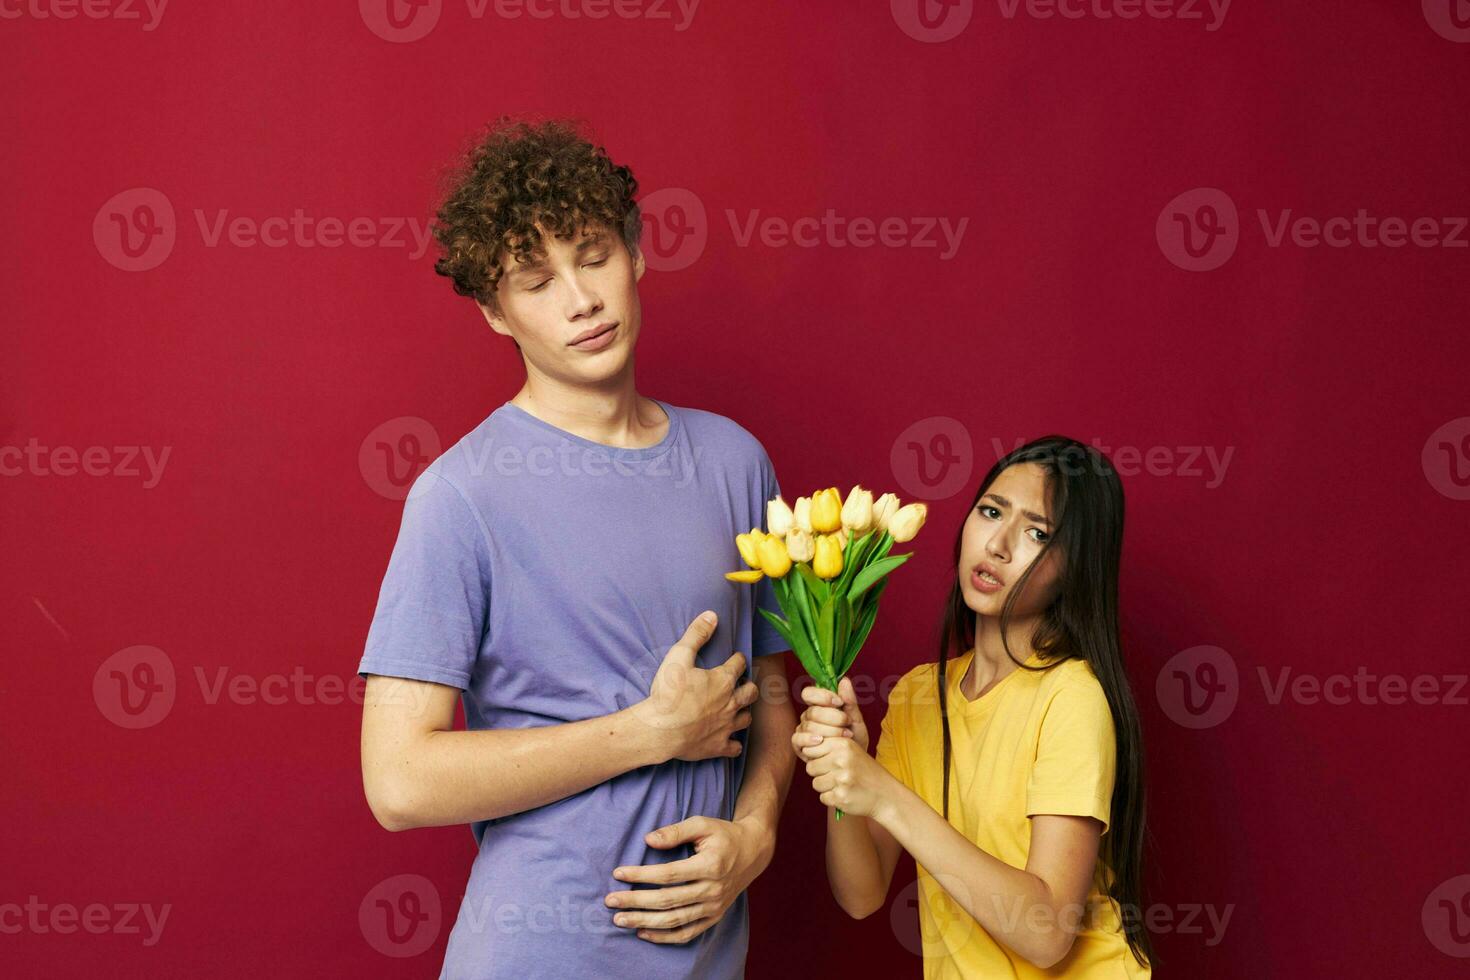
(547, 575)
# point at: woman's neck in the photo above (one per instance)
(991, 662)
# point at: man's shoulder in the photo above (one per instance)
(705, 427)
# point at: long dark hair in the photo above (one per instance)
(1082, 624)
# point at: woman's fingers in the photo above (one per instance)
(814, 695)
(834, 717)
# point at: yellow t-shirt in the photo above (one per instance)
(1035, 743)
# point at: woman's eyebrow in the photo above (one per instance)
(1030, 515)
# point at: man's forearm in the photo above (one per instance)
(453, 777)
(769, 761)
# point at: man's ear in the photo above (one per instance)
(638, 264)
(492, 316)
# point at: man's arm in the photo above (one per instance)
(729, 855)
(419, 772)
(769, 765)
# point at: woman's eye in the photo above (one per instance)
(1040, 536)
(988, 511)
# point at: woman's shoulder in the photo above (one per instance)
(917, 691)
(1072, 683)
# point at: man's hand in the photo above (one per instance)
(697, 891)
(698, 711)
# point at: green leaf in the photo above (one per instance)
(824, 629)
(853, 559)
(874, 572)
(864, 626)
(818, 588)
(782, 627)
(843, 629)
(802, 608)
(799, 646)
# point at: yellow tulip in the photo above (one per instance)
(747, 545)
(883, 510)
(778, 517)
(800, 545)
(826, 510)
(857, 513)
(828, 560)
(754, 575)
(907, 521)
(802, 515)
(775, 562)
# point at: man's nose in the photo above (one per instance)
(582, 299)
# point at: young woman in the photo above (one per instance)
(1013, 773)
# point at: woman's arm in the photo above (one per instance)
(1036, 911)
(861, 855)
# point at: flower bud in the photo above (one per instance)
(778, 517)
(826, 510)
(775, 562)
(802, 515)
(857, 513)
(884, 509)
(753, 575)
(906, 522)
(747, 545)
(800, 545)
(828, 560)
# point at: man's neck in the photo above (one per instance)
(614, 417)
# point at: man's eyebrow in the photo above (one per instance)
(1030, 515)
(521, 271)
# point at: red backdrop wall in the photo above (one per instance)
(216, 310)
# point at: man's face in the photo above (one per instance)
(578, 287)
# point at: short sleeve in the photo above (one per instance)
(431, 613)
(890, 749)
(1075, 755)
(764, 637)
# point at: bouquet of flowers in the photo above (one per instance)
(829, 561)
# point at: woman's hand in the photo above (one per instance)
(847, 777)
(829, 715)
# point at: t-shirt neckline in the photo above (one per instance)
(984, 701)
(616, 452)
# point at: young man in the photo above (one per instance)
(620, 775)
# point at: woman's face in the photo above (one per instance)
(1003, 535)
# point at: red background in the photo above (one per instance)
(1326, 548)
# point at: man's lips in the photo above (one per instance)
(588, 334)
